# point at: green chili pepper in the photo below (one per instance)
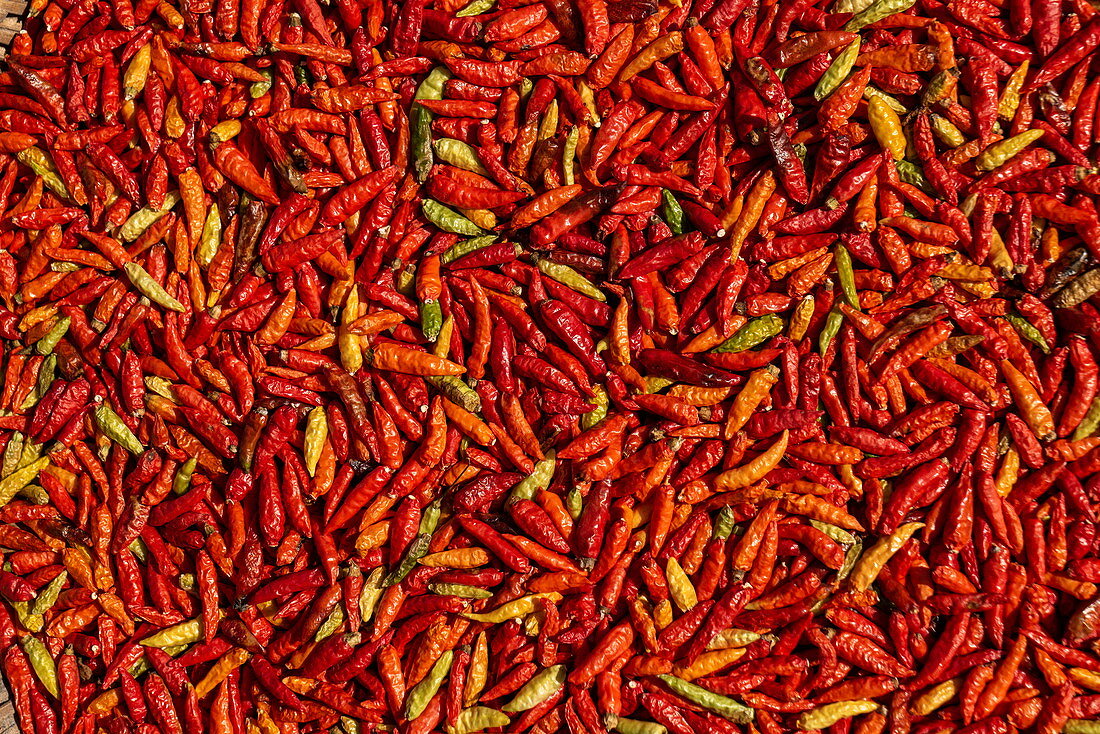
(459, 154)
(371, 593)
(187, 581)
(432, 86)
(302, 76)
(832, 326)
(182, 481)
(42, 662)
(478, 718)
(114, 429)
(599, 412)
(420, 134)
(537, 480)
(1081, 726)
(890, 100)
(30, 622)
(672, 212)
(569, 277)
(145, 218)
(878, 10)
(150, 287)
(838, 534)
(47, 597)
(724, 706)
(756, 331)
(12, 453)
(911, 173)
(184, 633)
(420, 123)
(846, 275)
(633, 726)
(448, 219)
(850, 559)
(460, 590)
(574, 502)
(49, 341)
(259, 89)
(139, 550)
(476, 7)
(569, 156)
(20, 478)
(419, 547)
(431, 319)
(40, 162)
(723, 524)
(1089, 423)
(465, 247)
(429, 520)
(656, 384)
(538, 689)
(211, 236)
(422, 693)
(330, 625)
(46, 374)
(457, 391)
(1029, 332)
(417, 550)
(733, 637)
(838, 71)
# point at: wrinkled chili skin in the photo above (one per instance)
(566, 365)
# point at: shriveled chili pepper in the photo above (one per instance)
(550, 366)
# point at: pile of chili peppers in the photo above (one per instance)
(655, 366)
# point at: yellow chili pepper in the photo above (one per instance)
(225, 665)
(1010, 97)
(479, 670)
(20, 478)
(1034, 411)
(875, 557)
(137, 72)
(315, 436)
(709, 663)
(936, 697)
(1002, 151)
(946, 131)
(829, 714)
(680, 586)
(886, 125)
(1085, 677)
(513, 609)
(1008, 472)
(755, 470)
(456, 558)
(752, 394)
(749, 215)
(184, 633)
